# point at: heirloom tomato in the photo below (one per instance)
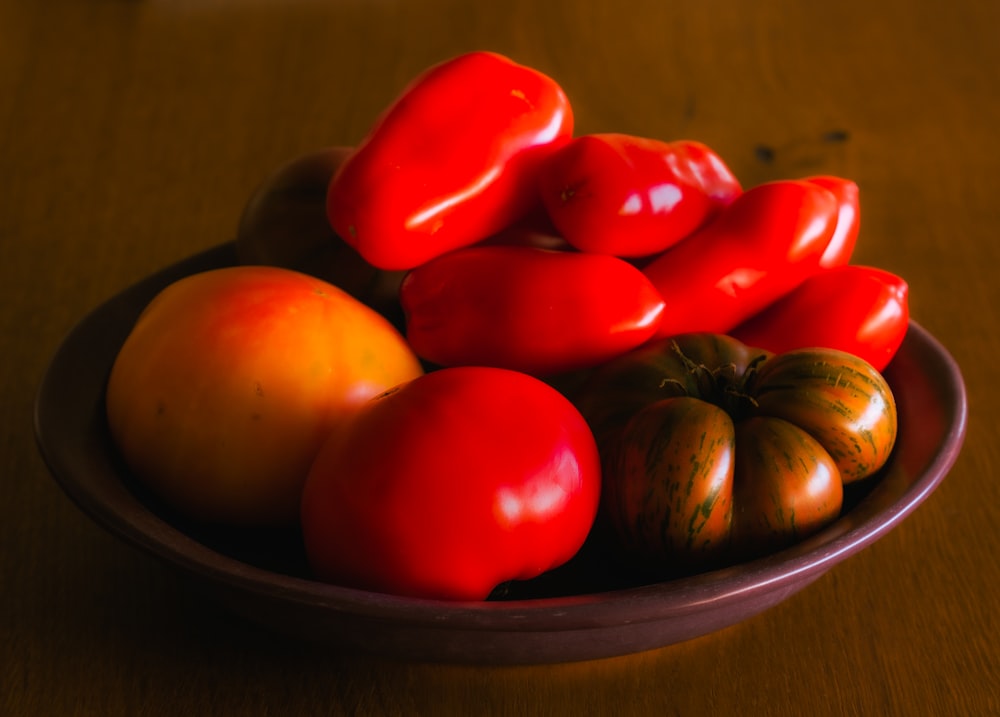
(525, 308)
(284, 224)
(862, 310)
(284, 221)
(760, 247)
(452, 484)
(713, 451)
(632, 196)
(452, 161)
(231, 379)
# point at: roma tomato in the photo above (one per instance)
(451, 484)
(714, 176)
(845, 237)
(452, 161)
(284, 224)
(862, 310)
(713, 451)
(760, 247)
(631, 196)
(231, 379)
(533, 310)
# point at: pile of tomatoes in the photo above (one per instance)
(452, 351)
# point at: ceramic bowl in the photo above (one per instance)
(585, 610)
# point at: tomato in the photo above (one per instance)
(713, 451)
(838, 398)
(529, 309)
(760, 247)
(862, 310)
(452, 161)
(838, 252)
(231, 379)
(714, 176)
(284, 224)
(284, 221)
(631, 196)
(451, 484)
(785, 486)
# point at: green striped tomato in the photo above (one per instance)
(713, 451)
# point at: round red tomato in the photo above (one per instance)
(451, 484)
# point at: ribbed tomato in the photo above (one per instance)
(713, 451)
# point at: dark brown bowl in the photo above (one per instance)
(583, 611)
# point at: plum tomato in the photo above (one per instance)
(528, 309)
(862, 310)
(632, 196)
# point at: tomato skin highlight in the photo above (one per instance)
(715, 177)
(450, 162)
(845, 237)
(631, 196)
(533, 310)
(760, 247)
(452, 484)
(862, 310)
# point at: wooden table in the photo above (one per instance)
(132, 133)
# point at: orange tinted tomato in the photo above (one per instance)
(231, 379)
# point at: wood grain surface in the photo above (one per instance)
(131, 135)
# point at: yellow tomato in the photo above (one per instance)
(231, 379)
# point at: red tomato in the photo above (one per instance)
(533, 310)
(715, 178)
(858, 309)
(231, 379)
(450, 162)
(452, 484)
(838, 252)
(759, 248)
(629, 196)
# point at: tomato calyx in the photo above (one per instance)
(723, 385)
